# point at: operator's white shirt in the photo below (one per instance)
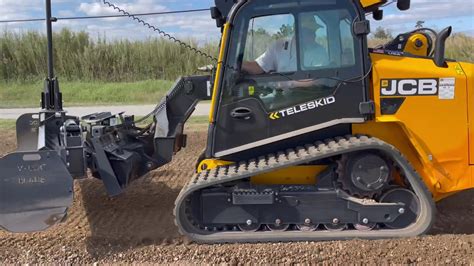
(281, 56)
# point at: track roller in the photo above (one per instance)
(335, 227)
(249, 227)
(365, 227)
(278, 227)
(307, 227)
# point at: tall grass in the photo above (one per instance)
(79, 57)
(460, 47)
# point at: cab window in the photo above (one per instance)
(266, 30)
(321, 48)
(313, 39)
(301, 55)
(347, 43)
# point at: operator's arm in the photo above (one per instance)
(252, 68)
(265, 63)
(303, 84)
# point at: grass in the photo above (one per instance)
(200, 119)
(7, 124)
(460, 47)
(79, 93)
(198, 123)
(77, 56)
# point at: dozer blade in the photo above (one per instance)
(35, 191)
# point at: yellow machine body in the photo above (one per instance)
(211, 164)
(432, 131)
(302, 175)
(315, 169)
(371, 3)
(417, 44)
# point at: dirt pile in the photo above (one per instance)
(138, 227)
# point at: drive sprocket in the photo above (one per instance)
(364, 174)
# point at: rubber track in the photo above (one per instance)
(292, 157)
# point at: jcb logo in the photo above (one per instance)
(407, 87)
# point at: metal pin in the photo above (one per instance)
(149, 165)
(401, 210)
(365, 221)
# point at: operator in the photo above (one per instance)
(281, 56)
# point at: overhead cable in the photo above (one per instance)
(107, 16)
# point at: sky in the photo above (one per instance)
(436, 14)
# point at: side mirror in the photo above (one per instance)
(403, 4)
(440, 47)
(215, 13)
(377, 14)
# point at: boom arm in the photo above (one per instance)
(118, 151)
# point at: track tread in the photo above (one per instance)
(296, 156)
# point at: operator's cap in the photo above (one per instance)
(309, 22)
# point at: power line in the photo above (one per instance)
(139, 14)
(107, 16)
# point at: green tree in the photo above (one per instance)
(381, 33)
(286, 30)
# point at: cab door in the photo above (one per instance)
(312, 74)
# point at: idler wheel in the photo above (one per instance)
(409, 213)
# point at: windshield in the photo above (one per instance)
(281, 52)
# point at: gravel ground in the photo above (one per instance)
(137, 227)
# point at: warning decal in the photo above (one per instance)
(447, 88)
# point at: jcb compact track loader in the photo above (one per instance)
(312, 135)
